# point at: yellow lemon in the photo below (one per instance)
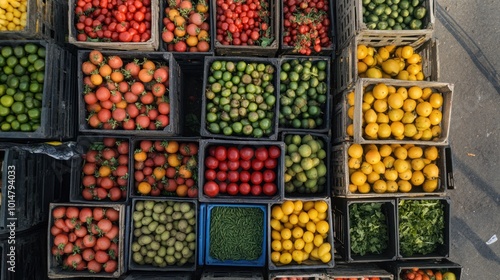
(312, 214)
(380, 91)
(286, 233)
(321, 206)
(276, 245)
(308, 236)
(308, 247)
(318, 240)
(322, 227)
(362, 52)
(304, 217)
(287, 207)
(287, 244)
(354, 151)
(286, 258)
(275, 257)
(277, 213)
(275, 224)
(299, 244)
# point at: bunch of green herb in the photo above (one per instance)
(236, 233)
(421, 226)
(368, 228)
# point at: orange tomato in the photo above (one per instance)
(172, 147)
(144, 188)
(96, 79)
(148, 64)
(182, 190)
(140, 156)
(122, 104)
(104, 171)
(105, 70)
(173, 160)
(159, 173)
(203, 35)
(180, 31)
(145, 75)
(192, 41)
(184, 172)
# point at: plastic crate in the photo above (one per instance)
(27, 258)
(307, 264)
(303, 274)
(132, 265)
(325, 51)
(86, 143)
(443, 265)
(443, 250)
(342, 228)
(350, 24)
(346, 63)
(252, 51)
(158, 276)
(239, 198)
(149, 45)
(341, 177)
(136, 146)
(186, 58)
(341, 119)
(31, 181)
(275, 82)
(55, 270)
(192, 83)
(231, 275)
(327, 161)
(45, 20)
(209, 260)
(173, 91)
(358, 271)
(326, 107)
(57, 111)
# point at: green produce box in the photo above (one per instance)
(37, 84)
(357, 271)
(431, 215)
(150, 223)
(107, 221)
(355, 21)
(360, 221)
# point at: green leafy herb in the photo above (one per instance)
(421, 226)
(368, 228)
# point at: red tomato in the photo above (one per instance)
(261, 153)
(223, 166)
(211, 162)
(233, 165)
(211, 189)
(245, 164)
(256, 178)
(233, 176)
(233, 154)
(246, 153)
(59, 212)
(274, 152)
(270, 163)
(222, 187)
(244, 188)
(98, 213)
(244, 176)
(72, 212)
(269, 189)
(220, 153)
(256, 190)
(221, 176)
(257, 164)
(210, 174)
(232, 189)
(268, 176)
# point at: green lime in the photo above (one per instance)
(18, 107)
(6, 101)
(6, 51)
(19, 51)
(5, 126)
(26, 127)
(15, 124)
(31, 48)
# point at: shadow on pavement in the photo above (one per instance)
(476, 54)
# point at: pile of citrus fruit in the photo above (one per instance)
(392, 168)
(299, 232)
(402, 63)
(398, 113)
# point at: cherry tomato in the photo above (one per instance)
(211, 162)
(233, 176)
(232, 189)
(269, 189)
(211, 189)
(220, 153)
(233, 154)
(268, 176)
(210, 174)
(244, 188)
(261, 153)
(246, 153)
(256, 190)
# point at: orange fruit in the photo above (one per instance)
(358, 178)
(144, 188)
(380, 91)
(372, 156)
(395, 100)
(424, 109)
(355, 151)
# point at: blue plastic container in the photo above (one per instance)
(260, 262)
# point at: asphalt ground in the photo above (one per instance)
(469, 34)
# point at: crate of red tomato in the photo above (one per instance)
(101, 174)
(86, 241)
(187, 29)
(117, 25)
(128, 93)
(165, 167)
(307, 27)
(241, 171)
(246, 28)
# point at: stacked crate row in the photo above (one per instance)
(36, 87)
(391, 154)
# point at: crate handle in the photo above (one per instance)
(449, 169)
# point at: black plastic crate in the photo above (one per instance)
(205, 146)
(231, 274)
(301, 274)
(135, 147)
(356, 271)
(325, 192)
(158, 276)
(326, 50)
(275, 82)
(132, 265)
(341, 212)
(445, 265)
(29, 183)
(442, 250)
(45, 20)
(54, 266)
(173, 92)
(56, 112)
(269, 50)
(187, 58)
(26, 258)
(307, 264)
(325, 108)
(85, 144)
(192, 93)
